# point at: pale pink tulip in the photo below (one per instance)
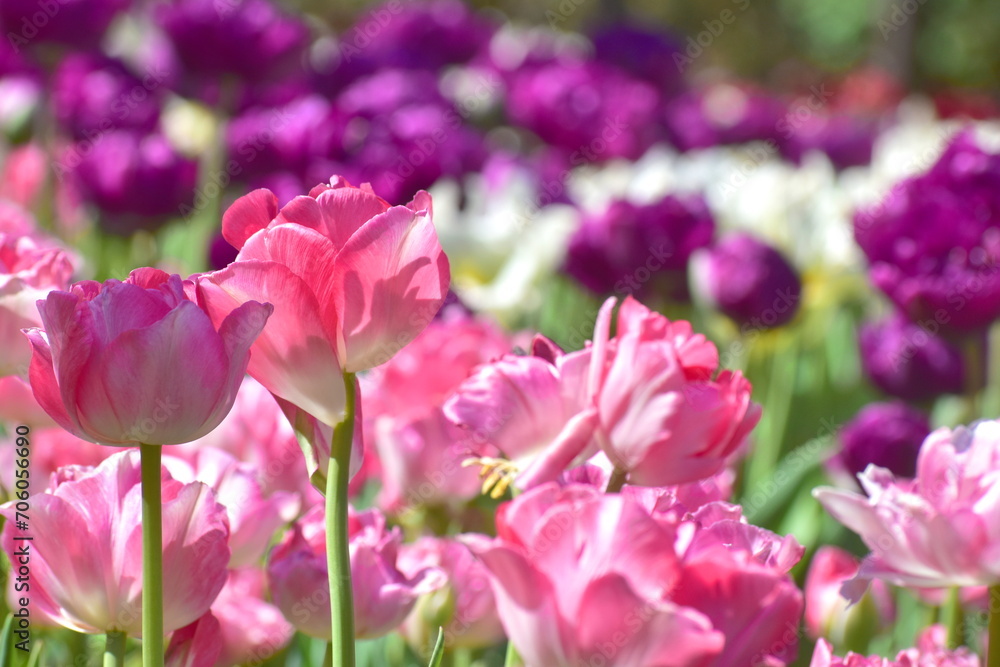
(352, 278)
(89, 578)
(584, 578)
(533, 409)
(465, 608)
(913, 657)
(28, 271)
(254, 517)
(383, 596)
(133, 362)
(664, 418)
(938, 529)
(828, 613)
(18, 405)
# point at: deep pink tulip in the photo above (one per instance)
(89, 578)
(133, 362)
(383, 596)
(352, 279)
(584, 578)
(938, 529)
(465, 608)
(828, 613)
(664, 418)
(28, 271)
(912, 657)
(737, 575)
(254, 517)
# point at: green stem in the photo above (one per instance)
(338, 560)
(975, 375)
(954, 619)
(513, 659)
(152, 558)
(993, 659)
(114, 648)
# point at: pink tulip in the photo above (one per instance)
(913, 657)
(256, 432)
(420, 453)
(830, 615)
(938, 529)
(383, 596)
(28, 271)
(737, 575)
(465, 608)
(240, 628)
(254, 517)
(195, 645)
(533, 409)
(664, 419)
(89, 578)
(583, 578)
(23, 175)
(352, 278)
(133, 362)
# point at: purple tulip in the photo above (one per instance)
(934, 241)
(748, 280)
(884, 434)
(638, 249)
(908, 361)
(76, 23)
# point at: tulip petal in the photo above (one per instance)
(248, 214)
(44, 385)
(394, 276)
(293, 357)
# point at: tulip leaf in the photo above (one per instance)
(5, 640)
(438, 655)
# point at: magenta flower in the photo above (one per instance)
(383, 596)
(352, 279)
(664, 418)
(28, 271)
(89, 579)
(137, 362)
(581, 577)
(938, 529)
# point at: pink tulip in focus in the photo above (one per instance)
(133, 362)
(28, 271)
(829, 614)
(254, 517)
(584, 578)
(533, 409)
(352, 279)
(938, 529)
(465, 608)
(666, 417)
(383, 596)
(912, 657)
(86, 555)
